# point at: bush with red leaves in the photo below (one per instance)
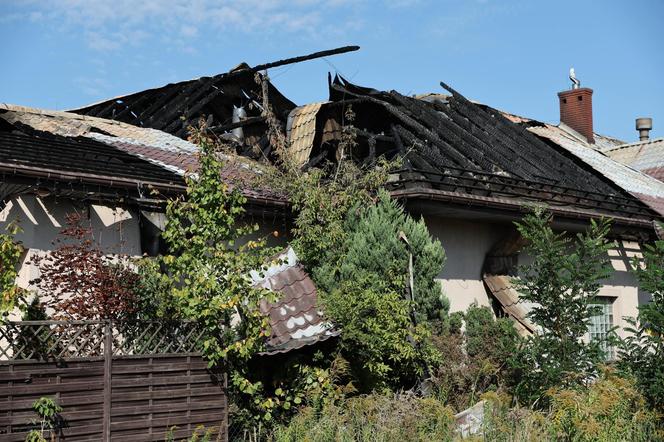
(82, 283)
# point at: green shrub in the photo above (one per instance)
(476, 361)
(642, 352)
(378, 338)
(561, 283)
(380, 418)
(373, 247)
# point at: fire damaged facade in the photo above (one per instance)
(468, 169)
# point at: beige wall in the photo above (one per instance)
(116, 230)
(621, 286)
(466, 243)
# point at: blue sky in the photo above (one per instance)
(511, 54)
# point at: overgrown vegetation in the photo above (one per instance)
(475, 361)
(610, 409)
(561, 281)
(642, 352)
(378, 417)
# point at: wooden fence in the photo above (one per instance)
(114, 381)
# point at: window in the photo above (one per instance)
(602, 323)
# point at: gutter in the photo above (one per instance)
(39, 172)
(118, 182)
(511, 205)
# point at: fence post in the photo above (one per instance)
(108, 361)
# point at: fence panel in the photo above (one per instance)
(150, 385)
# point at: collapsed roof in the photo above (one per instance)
(454, 150)
(461, 152)
(175, 107)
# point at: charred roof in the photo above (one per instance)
(176, 106)
(453, 145)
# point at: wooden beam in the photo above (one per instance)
(320, 54)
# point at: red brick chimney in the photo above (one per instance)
(576, 110)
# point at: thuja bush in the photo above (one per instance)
(375, 417)
(561, 282)
(380, 241)
(386, 330)
(642, 351)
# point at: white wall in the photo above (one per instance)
(116, 230)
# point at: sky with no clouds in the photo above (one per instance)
(510, 54)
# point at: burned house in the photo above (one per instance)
(469, 170)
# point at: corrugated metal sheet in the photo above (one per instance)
(160, 148)
(646, 188)
(71, 125)
(302, 131)
(646, 156)
(295, 319)
(501, 288)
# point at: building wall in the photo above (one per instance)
(466, 243)
(621, 286)
(116, 230)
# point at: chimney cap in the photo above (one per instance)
(644, 126)
(643, 123)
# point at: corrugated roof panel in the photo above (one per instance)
(646, 156)
(629, 179)
(501, 288)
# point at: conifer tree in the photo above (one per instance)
(374, 252)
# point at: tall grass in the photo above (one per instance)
(372, 418)
(609, 410)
